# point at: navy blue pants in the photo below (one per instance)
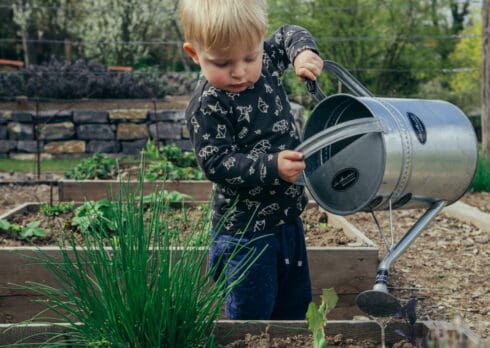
(277, 286)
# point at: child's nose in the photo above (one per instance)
(238, 70)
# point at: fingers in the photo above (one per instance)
(290, 165)
(308, 65)
(291, 155)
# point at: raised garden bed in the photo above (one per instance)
(340, 256)
(295, 334)
(79, 191)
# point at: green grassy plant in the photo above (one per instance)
(481, 181)
(134, 289)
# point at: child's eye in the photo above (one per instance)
(221, 64)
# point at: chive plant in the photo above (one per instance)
(142, 286)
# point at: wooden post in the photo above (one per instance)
(485, 86)
(68, 50)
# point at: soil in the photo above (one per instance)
(318, 232)
(265, 340)
(446, 268)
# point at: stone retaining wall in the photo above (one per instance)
(81, 133)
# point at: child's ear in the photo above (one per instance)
(191, 51)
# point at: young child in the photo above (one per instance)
(243, 131)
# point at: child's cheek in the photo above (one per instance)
(218, 80)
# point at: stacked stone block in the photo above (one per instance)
(84, 132)
(81, 133)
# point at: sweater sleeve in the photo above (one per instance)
(285, 44)
(212, 134)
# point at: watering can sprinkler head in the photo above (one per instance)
(378, 302)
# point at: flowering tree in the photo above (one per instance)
(124, 32)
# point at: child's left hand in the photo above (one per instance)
(308, 65)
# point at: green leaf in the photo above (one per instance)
(4, 225)
(33, 224)
(314, 317)
(329, 298)
(25, 233)
(32, 229)
(40, 232)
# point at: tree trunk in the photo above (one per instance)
(25, 46)
(485, 87)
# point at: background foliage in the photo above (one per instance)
(405, 48)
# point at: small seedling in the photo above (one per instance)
(32, 229)
(99, 166)
(98, 214)
(317, 316)
(56, 209)
(171, 197)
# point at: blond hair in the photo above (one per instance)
(221, 24)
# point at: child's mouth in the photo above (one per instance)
(240, 87)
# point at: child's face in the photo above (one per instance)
(233, 70)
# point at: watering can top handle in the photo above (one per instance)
(336, 133)
(344, 76)
(339, 132)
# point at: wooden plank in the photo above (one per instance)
(227, 331)
(231, 330)
(350, 230)
(37, 332)
(18, 308)
(79, 191)
(468, 214)
(348, 271)
(15, 309)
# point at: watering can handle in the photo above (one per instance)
(344, 76)
(339, 132)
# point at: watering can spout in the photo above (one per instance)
(378, 302)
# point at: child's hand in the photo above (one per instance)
(308, 65)
(290, 165)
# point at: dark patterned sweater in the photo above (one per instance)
(237, 138)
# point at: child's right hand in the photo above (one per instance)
(290, 165)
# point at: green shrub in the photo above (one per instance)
(81, 79)
(99, 166)
(481, 181)
(56, 209)
(171, 162)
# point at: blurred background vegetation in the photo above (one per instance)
(428, 49)
(403, 48)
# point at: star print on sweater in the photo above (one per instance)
(237, 138)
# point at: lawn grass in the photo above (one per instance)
(481, 181)
(30, 166)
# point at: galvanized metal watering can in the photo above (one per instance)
(365, 153)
